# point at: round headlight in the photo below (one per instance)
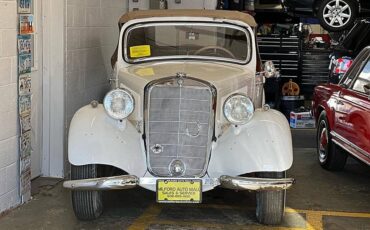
(119, 104)
(238, 109)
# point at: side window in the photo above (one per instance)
(363, 78)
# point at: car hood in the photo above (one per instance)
(227, 78)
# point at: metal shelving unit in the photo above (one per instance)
(315, 69)
(283, 51)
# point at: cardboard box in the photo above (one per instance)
(301, 120)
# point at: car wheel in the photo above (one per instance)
(270, 204)
(87, 205)
(337, 15)
(330, 156)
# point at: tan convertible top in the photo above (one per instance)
(219, 14)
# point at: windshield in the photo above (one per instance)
(187, 40)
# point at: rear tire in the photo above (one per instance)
(87, 205)
(270, 204)
(331, 157)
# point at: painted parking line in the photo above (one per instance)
(314, 219)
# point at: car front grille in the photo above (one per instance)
(179, 126)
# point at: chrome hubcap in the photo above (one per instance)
(323, 142)
(337, 13)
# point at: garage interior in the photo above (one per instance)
(72, 44)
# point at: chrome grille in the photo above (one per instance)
(179, 125)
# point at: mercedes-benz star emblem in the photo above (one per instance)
(157, 148)
(180, 78)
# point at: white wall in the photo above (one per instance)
(91, 38)
(36, 105)
(9, 175)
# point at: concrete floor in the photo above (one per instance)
(319, 200)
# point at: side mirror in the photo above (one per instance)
(269, 69)
(367, 89)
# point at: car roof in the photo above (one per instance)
(217, 14)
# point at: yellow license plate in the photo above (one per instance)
(179, 191)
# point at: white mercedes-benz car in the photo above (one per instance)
(185, 115)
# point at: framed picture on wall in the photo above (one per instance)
(25, 123)
(25, 164)
(25, 185)
(26, 25)
(25, 144)
(24, 44)
(25, 84)
(24, 6)
(25, 64)
(24, 104)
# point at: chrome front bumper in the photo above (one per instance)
(130, 181)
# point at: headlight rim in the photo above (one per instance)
(234, 95)
(128, 93)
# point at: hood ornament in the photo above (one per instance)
(180, 78)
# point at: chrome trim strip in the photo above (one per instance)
(351, 145)
(153, 180)
(173, 80)
(255, 184)
(181, 57)
(103, 183)
(131, 181)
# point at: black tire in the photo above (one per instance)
(270, 204)
(351, 13)
(87, 205)
(330, 156)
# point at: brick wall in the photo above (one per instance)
(91, 37)
(9, 176)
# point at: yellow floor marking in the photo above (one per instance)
(331, 213)
(313, 221)
(149, 215)
(219, 225)
(313, 218)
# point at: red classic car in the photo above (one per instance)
(342, 112)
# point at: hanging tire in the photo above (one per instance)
(270, 204)
(330, 156)
(87, 205)
(337, 15)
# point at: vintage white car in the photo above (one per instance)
(185, 115)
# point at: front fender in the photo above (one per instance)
(263, 144)
(95, 138)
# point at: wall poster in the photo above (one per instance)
(24, 44)
(25, 63)
(24, 84)
(24, 6)
(26, 24)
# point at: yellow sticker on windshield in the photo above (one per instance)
(140, 51)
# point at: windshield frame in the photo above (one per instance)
(186, 57)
